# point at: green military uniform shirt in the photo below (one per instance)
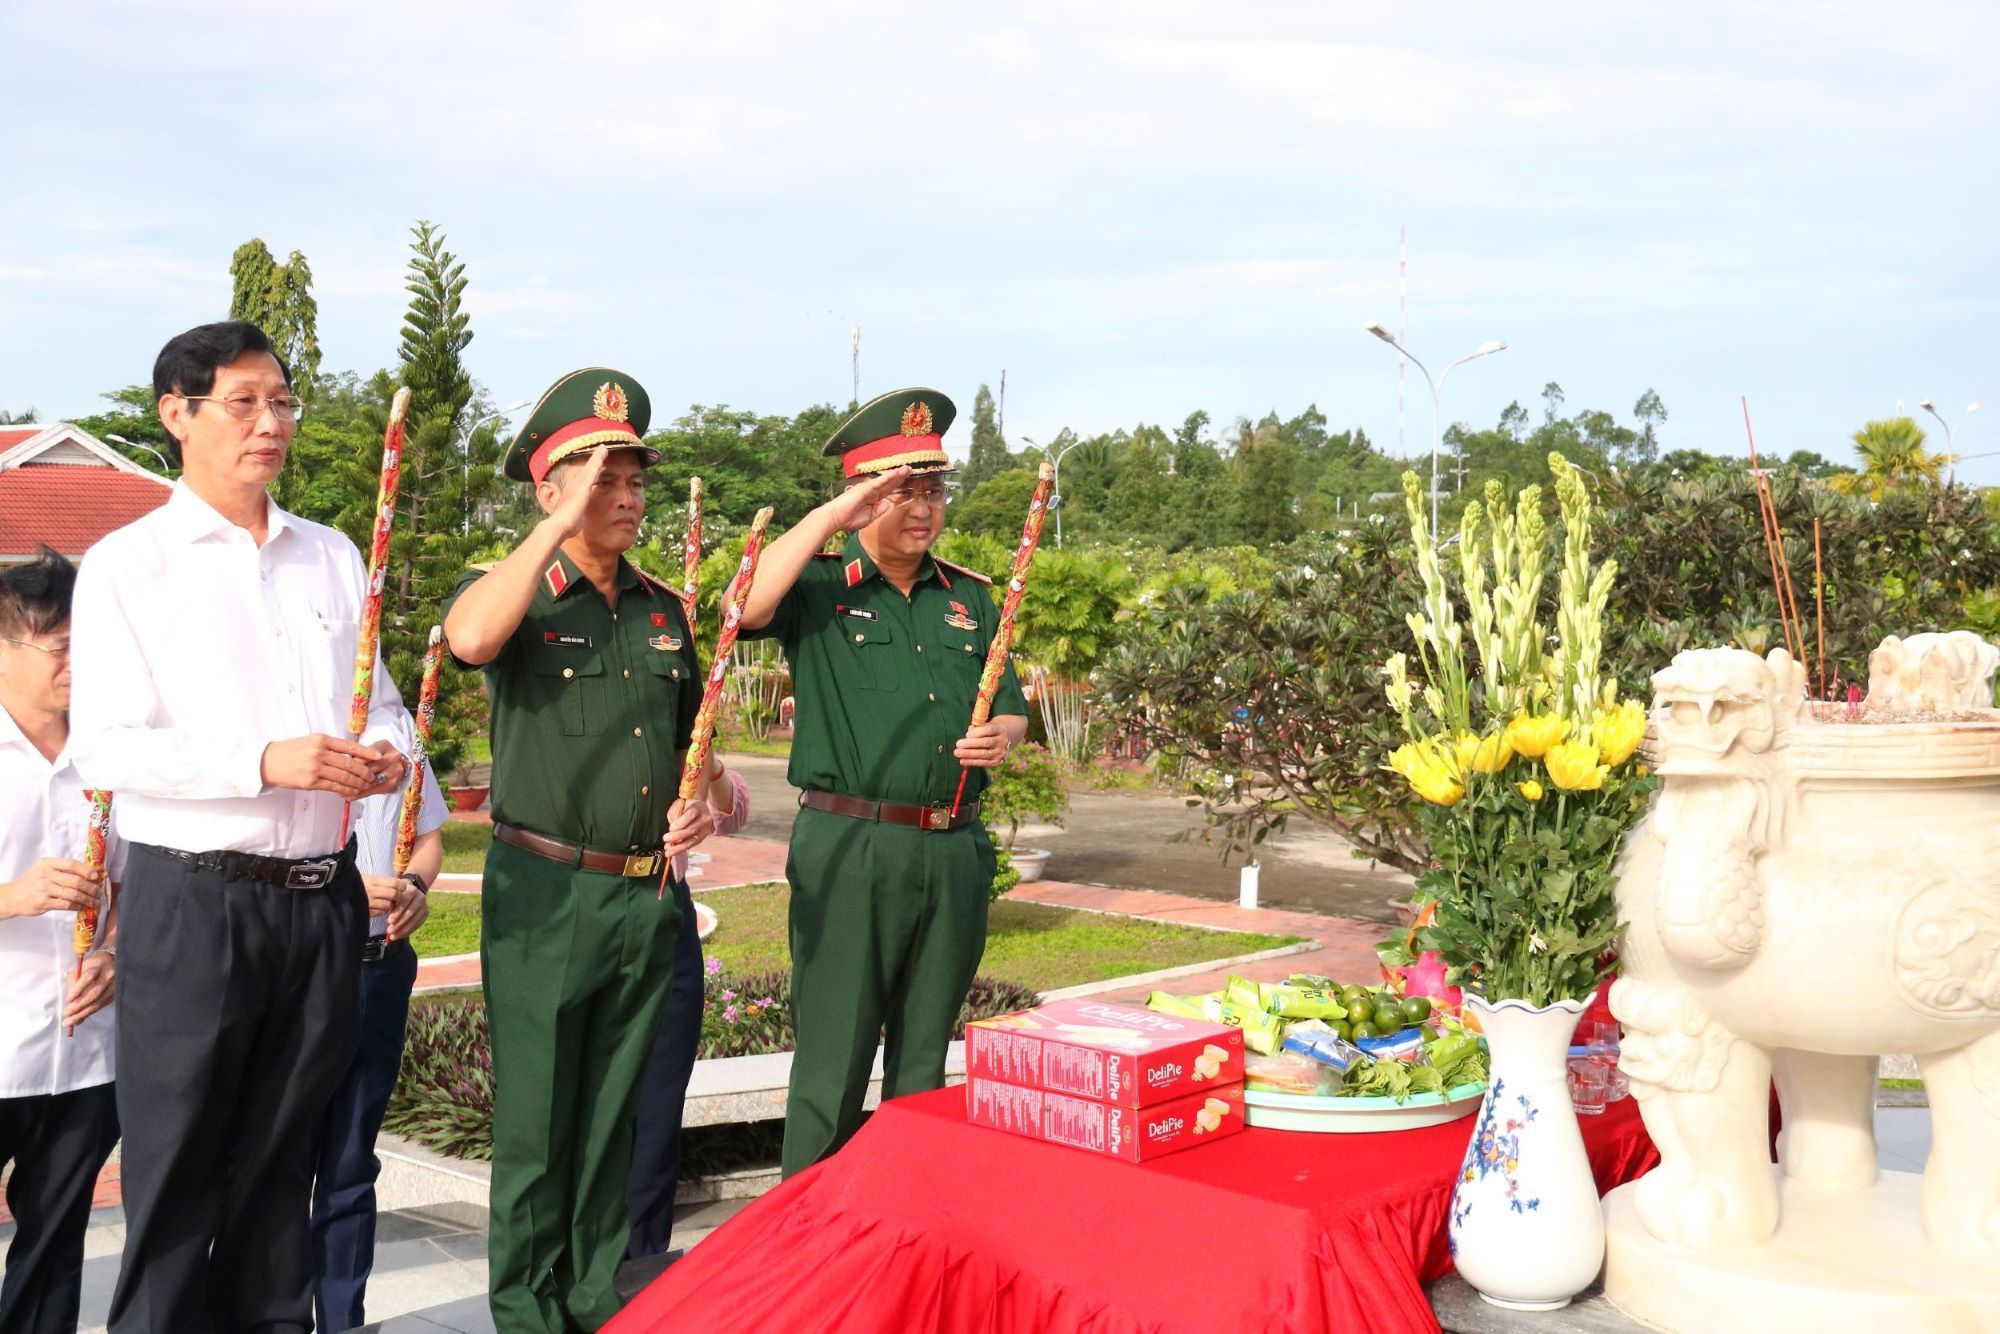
(591, 705)
(885, 683)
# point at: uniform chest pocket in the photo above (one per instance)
(872, 653)
(666, 676)
(569, 688)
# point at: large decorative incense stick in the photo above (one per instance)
(1774, 544)
(413, 798)
(725, 643)
(370, 636)
(96, 836)
(691, 552)
(1003, 633)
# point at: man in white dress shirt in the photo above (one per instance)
(58, 1119)
(214, 650)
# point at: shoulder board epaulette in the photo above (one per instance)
(655, 581)
(960, 569)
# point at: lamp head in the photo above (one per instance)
(1927, 405)
(1495, 346)
(1375, 327)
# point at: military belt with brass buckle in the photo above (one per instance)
(631, 865)
(937, 819)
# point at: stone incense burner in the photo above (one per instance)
(1815, 887)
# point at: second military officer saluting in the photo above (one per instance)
(594, 688)
(889, 886)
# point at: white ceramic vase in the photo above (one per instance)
(1526, 1227)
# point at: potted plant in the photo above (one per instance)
(1525, 762)
(1027, 785)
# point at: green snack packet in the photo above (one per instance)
(1210, 1005)
(1168, 1003)
(1319, 980)
(1309, 1003)
(1260, 1030)
(1243, 992)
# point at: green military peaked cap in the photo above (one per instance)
(901, 429)
(594, 408)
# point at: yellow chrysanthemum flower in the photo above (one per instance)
(1618, 731)
(1531, 790)
(1483, 754)
(1532, 736)
(1430, 769)
(1573, 765)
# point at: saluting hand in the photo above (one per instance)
(858, 506)
(569, 511)
(688, 823)
(982, 747)
(53, 884)
(320, 763)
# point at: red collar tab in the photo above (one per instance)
(555, 579)
(853, 571)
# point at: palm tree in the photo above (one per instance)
(1893, 458)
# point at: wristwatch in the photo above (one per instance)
(418, 881)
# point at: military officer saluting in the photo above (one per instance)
(889, 887)
(594, 688)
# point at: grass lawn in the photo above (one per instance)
(465, 845)
(453, 926)
(781, 747)
(1030, 943)
(479, 750)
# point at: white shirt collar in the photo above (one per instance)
(194, 518)
(12, 735)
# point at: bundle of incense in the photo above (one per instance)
(369, 638)
(703, 739)
(97, 832)
(691, 552)
(413, 797)
(1003, 633)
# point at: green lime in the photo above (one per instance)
(1416, 1009)
(1359, 1010)
(1363, 1030)
(1387, 1018)
(1341, 1030)
(1353, 992)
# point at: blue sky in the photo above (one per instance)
(1137, 210)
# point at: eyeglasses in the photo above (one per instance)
(60, 653)
(933, 495)
(246, 407)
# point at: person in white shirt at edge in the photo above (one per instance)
(343, 1201)
(58, 1118)
(214, 654)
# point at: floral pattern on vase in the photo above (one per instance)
(1495, 1150)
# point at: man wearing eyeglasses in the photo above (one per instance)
(214, 649)
(889, 885)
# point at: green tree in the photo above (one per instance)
(745, 461)
(1268, 504)
(1893, 458)
(278, 299)
(448, 480)
(26, 418)
(1552, 402)
(997, 507)
(1651, 414)
(135, 415)
(988, 453)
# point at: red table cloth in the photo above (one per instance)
(924, 1222)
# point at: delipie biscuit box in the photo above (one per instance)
(1135, 1134)
(1105, 1051)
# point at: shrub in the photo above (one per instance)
(1029, 783)
(1005, 877)
(444, 1099)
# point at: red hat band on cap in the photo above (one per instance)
(893, 451)
(576, 436)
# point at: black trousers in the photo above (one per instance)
(57, 1144)
(236, 1013)
(656, 1141)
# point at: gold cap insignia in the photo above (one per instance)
(610, 402)
(917, 419)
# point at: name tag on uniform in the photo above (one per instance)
(567, 641)
(858, 613)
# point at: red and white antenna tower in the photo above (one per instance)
(1402, 332)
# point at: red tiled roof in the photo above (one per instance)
(11, 436)
(70, 506)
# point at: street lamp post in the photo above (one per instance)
(134, 444)
(1055, 488)
(1437, 389)
(1950, 446)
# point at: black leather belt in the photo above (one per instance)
(934, 818)
(284, 872)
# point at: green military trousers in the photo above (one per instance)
(576, 966)
(887, 923)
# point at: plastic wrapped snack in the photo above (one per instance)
(1406, 1046)
(1260, 1030)
(1289, 1072)
(1326, 1049)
